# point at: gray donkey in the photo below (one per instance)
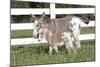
(59, 31)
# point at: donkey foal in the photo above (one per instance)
(56, 39)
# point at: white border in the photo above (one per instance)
(4, 33)
(5, 46)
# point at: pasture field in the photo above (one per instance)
(34, 55)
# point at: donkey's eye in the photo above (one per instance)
(37, 25)
(41, 33)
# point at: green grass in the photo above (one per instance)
(28, 33)
(33, 55)
(87, 30)
(21, 33)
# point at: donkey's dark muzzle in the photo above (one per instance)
(36, 36)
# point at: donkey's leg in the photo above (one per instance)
(50, 50)
(71, 48)
(71, 45)
(68, 42)
(78, 45)
(55, 48)
(76, 40)
(74, 50)
(68, 48)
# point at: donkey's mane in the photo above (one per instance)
(47, 19)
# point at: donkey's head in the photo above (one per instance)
(37, 24)
(40, 25)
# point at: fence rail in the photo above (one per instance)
(25, 41)
(23, 26)
(38, 11)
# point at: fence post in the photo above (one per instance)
(52, 11)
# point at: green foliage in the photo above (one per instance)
(20, 19)
(18, 4)
(22, 4)
(63, 5)
(39, 5)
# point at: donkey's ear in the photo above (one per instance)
(43, 14)
(33, 16)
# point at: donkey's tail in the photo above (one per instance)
(84, 19)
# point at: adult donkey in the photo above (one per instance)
(55, 38)
(67, 24)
